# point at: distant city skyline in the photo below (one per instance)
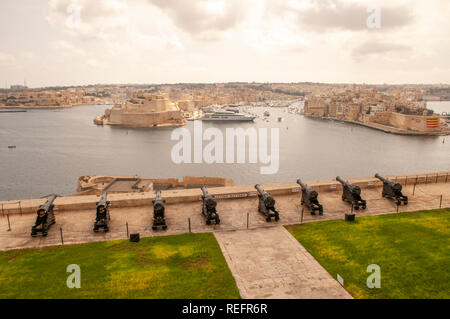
(82, 42)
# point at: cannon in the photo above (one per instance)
(309, 198)
(392, 190)
(209, 207)
(266, 204)
(158, 212)
(352, 194)
(102, 215)
(45, 218)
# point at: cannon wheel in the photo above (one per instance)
(356, 207)
(268, 219)
(154, 227)
(277, 218)
(208, 222)
(164, 227)
(217, 221)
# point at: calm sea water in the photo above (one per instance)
(55, 147)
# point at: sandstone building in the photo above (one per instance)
(398, 112)
(144, 110)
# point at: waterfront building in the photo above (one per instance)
(144, 110)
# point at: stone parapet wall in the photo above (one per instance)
(70, 203)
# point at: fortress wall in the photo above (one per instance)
(145, 119)
(403, 121)
(69, 203)
(413, 122)
(115, 116)
(381, 118)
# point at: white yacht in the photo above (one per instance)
(224, 115)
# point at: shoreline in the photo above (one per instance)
(44, 107)
(381, 127)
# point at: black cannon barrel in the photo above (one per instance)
(259, 189)
(299, 181)
(381, 178)
(103, 199)
(46, 206)
(396, 186)
(204, 191)
(158, 202)
(209, 199)
(340, 180)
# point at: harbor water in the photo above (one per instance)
(55, 147)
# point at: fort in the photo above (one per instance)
(144, 110)
(115, 184)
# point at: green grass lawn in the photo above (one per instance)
(412, 250)
(180, 266)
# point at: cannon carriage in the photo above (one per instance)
(392, 190)
(45, 218)
(310, 198)
(352, 194)
(159, 219)
(266, 204)
(209, 207)
(102, 217)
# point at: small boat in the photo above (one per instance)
(11, 146)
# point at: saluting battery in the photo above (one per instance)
(45, 218)
(352, 194)
(310, 198)
(266, 204)
(159, 219)
(102, 215)
(209, 207)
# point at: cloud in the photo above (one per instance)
(336, 15)
(7, 59)
(88, 19)
(124, 26)
(377, 47)
(66, 47)
(203, 19)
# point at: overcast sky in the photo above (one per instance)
(76, 42)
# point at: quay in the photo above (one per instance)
(383, 128)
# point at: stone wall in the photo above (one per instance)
(69, 203)
(118, 117)
(404, 122)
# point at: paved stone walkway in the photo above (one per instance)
(271, 263)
